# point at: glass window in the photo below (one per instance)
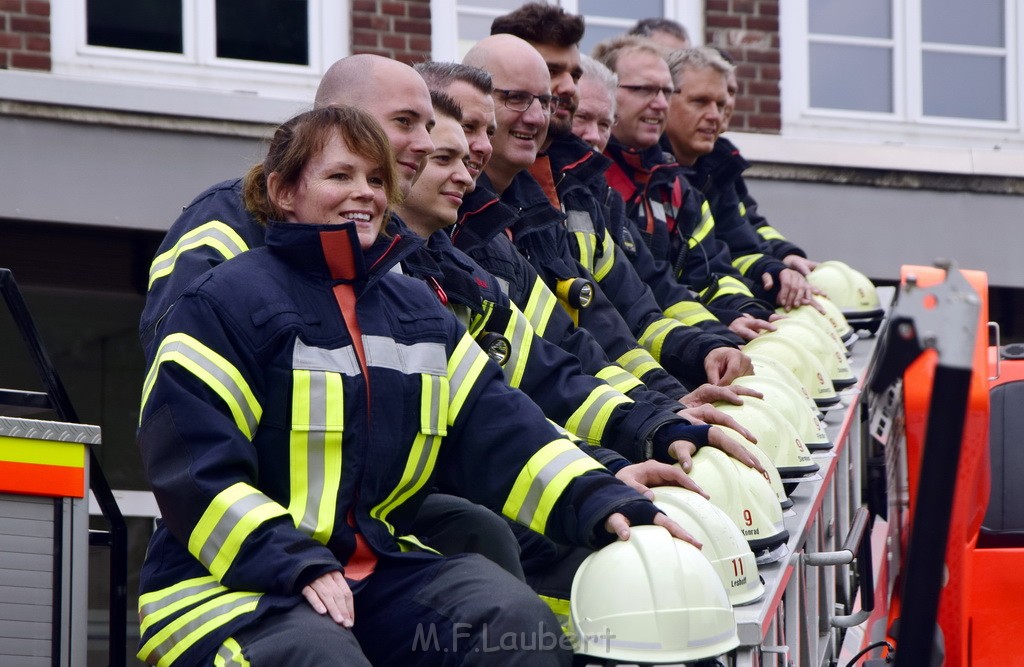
(975, 23)
(857, 78)
(964, 86)
(866, 18)
(146, 25)
(275, 31)
(634, 9)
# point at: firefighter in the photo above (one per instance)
(524, 107)
(694, 127)
(302, 401)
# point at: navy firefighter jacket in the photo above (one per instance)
(274, 430)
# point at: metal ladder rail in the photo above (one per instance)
(116, 538)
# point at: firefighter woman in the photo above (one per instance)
(303, 400)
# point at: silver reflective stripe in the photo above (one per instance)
(229, 383)
(316, 445)
(516, 333)
(429, 358)
(579, 221)
(588, 427)
(229, 654)
(227, 522)
(542, 479)
(503, 284)
(342, 360)
(659, 211)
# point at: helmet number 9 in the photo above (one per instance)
(747, 517)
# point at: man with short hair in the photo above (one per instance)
(595, 111)
(693, 130)
(666, 33)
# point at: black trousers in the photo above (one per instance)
(463, 610)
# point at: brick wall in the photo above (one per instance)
(749, 31)
(25, 34)
(397, 29)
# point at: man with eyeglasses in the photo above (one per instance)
(670, 214)
(569, 174)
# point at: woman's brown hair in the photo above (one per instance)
(297, 140)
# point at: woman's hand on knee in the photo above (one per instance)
(329, 594)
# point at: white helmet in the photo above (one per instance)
(776, 437)
(771, 472)
(652, 598)
(724, 544)
(807, 368)
(825, 322)
(838, 321)
(766, 366)
(825, 346)
(744, 495)
(851, 290)
(791, 404)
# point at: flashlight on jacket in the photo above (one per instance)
(496, 346)
(576, 293)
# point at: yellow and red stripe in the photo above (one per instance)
(42, 467)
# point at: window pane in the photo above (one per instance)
(866, 18)
(857, 78)
(273, 31)
(634, 9)
(474, 28)
(147, 25)
(964, 86)
(598, 33)
(977, 23)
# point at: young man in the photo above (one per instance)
(621, 301)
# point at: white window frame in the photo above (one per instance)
(445, 24)
(906, 124)
(198, 68)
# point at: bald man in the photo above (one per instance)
(216, 227)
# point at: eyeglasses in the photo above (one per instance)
(520, 100)
(649, 92)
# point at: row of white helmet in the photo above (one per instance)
(679, 601)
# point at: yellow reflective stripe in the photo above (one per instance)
(464, 368)
(412, 543)
(638, 362)
(619, 378)
(654, 336)
(230, 655)
(743, 209)
(559, 606)
(433, 404)
(727, 285)
(315, 451)
(769, 233)
(418, 469)
(591, 418)
(230, 518)
(158, 605)
(542, 480)
(707, 223)
(744, 262)
(606, 260)
(520, 337)
(214, 234)
(539, 306)
(172, 641)
(585, 244)
(477, 322)
(214, 371)
(689, 312)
